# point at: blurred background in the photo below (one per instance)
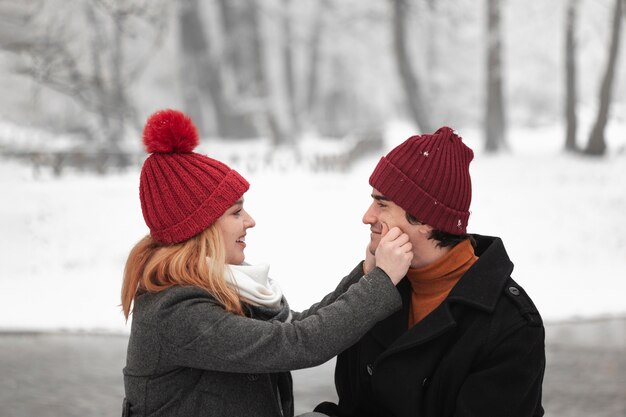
(303, 97)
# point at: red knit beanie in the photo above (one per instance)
(428, 176)
(182, 192)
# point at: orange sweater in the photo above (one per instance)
(431, 284)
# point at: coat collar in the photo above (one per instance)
(482, 284)
(480, 288)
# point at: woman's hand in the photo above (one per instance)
(394, 253)
(370, 260)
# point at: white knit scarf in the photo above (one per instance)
(254, 285)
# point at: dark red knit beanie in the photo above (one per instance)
(428, 176)
(182, 192)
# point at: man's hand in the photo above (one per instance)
(394, 253)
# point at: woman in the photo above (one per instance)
(210, 336)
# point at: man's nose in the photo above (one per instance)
(369, 217)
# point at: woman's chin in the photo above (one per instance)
(236, 259)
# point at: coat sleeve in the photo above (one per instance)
(196, 332)
(509, 381)
(343, 286)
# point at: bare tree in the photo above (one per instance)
(433, 50)
(192, 48)
(408, 74)
(570, 75)
(597, 145)
(314, 58)
(336, 115)
(16, 15)
(205, 75)
(494, 117)
(94, 70)
(245, 65)
(289, 67)
(237, 20)
(267, 112)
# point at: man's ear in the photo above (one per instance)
(425, 229)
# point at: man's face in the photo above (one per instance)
(382, 210)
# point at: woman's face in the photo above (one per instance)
(233, 224)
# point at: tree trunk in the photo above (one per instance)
(408, 75)
(494, 118)
(313, 59)
(229, 45)
(289, 70)
(336, 118)
(237, 17)
(113, 104)
(433, 50)
(196, 47)
(268, 112)
(189, 76)
(597, 144)
(118, 102)
(98, 44)
(570, 75)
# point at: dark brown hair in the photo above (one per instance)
(444, 239)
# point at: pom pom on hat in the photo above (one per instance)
(170, 131)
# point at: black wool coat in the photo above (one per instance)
(480, 353)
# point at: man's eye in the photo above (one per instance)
(382, 205)
(237, 213)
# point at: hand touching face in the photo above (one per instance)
(383, 211)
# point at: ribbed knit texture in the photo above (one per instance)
(183, 193)
(428, 176)
(431, 284)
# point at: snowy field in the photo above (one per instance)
(64, 240)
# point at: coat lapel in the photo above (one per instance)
(432, 326)
(389, 329)
(479, 288)
(482, 284)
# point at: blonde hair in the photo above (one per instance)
(199, 261)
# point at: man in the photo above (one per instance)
(468, 341)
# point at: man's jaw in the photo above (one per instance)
(374, 241)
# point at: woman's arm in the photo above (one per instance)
(343, 286)
(384, 258)
(196, 332)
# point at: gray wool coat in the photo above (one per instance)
(188, 357)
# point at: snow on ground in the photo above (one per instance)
(64, 241)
